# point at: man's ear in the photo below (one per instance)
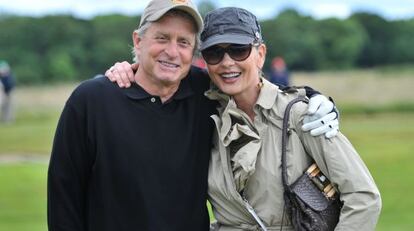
(137, 40)
(137, 43)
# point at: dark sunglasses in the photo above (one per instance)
(238, 52)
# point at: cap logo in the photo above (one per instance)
(175, 2)
(257, 34)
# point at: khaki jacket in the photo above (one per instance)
(254, 147)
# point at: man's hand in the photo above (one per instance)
(321, 118)
(122, 73)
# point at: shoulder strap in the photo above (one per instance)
(285, 137)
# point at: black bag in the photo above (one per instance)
(311, 201)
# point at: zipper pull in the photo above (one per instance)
(254, 214)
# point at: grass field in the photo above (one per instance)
(384, 141)
(23, 197)
(37, 112)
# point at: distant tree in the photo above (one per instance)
(205, 6)
(29, 69)
(111, 40)
(341, 42)
(309, 44)
(62, 47)
(17, 44)
(64, 40)
(31, 43)
(290, 35)
(402, 49)
(60, 66)
(378, 45)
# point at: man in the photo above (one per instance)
(137, 158)
(7, 81)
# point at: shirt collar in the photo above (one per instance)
(136, 92)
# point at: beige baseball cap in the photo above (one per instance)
(157, 8)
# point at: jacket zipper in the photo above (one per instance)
(254, 214)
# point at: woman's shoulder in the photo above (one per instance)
(286, 96)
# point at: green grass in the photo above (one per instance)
(32, 133)
(37, 112)
(395, 107)
(23, 197)
(371, 91)
(365, 98)
(384, 141)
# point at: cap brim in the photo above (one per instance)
(226, 38)
(185, 8)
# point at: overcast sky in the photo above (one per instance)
(390, 9)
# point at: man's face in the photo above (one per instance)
(166, 50)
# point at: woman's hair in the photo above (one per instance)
(174, 13)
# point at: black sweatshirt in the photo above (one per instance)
(122, 160)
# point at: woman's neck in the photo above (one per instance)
(246, 100)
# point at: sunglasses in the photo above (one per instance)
(238, 52)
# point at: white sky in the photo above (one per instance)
(390, 9)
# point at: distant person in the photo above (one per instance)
(7, 81)
(199, 62)
(279, 73)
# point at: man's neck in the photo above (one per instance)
(165, 90)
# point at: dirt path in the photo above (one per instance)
(23, 158)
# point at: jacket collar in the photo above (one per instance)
(267, 95)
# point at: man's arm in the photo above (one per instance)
(322, 116)
(68, 170)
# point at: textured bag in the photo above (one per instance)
(311, 201)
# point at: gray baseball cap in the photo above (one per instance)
(230, 25)
(157, 8)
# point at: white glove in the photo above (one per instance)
(321, 118)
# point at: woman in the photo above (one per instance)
(245, 165)
(246, 159)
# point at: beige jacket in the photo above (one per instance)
(254, 147)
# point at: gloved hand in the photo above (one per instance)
(322, 117)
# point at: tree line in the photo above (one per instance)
(64, 48)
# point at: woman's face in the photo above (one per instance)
(231, 76)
